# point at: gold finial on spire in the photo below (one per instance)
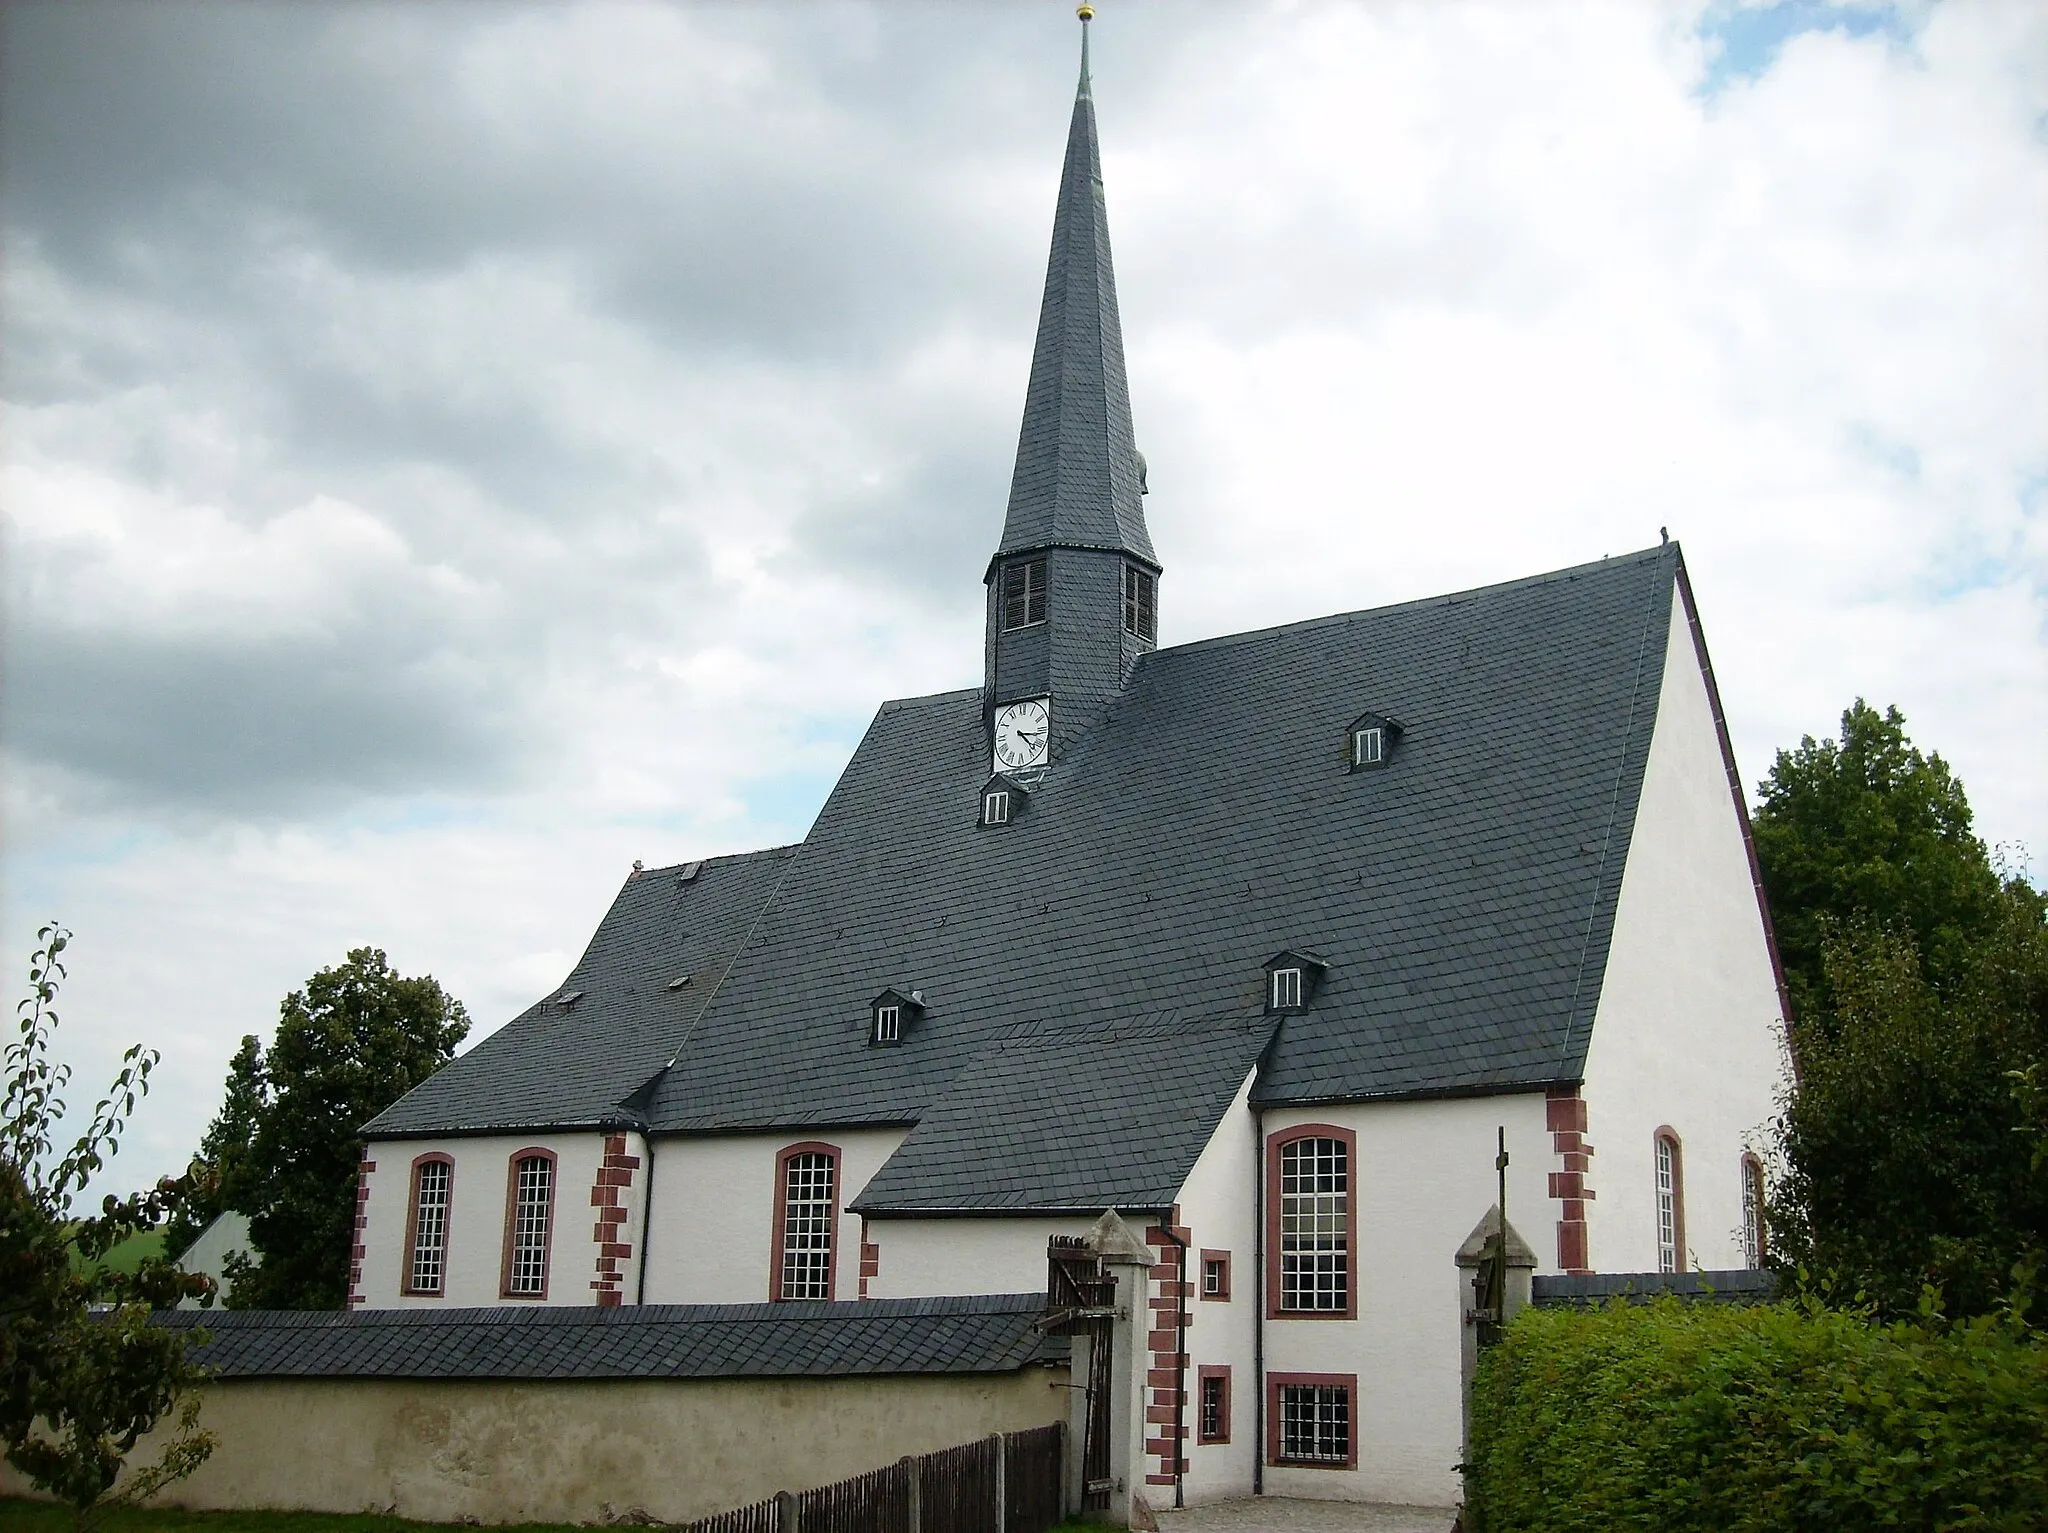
(1085, 11)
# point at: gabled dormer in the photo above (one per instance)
(891, 1014)
(1292, 979)
(1370, 740)
(1003, 799)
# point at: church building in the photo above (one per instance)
(1262, 941)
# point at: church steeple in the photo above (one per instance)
(1073, 584)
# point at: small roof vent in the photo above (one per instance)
(688, 872)
(568, 998)
(679, 982)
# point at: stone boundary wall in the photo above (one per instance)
(448, 1450)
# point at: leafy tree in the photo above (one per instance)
(1910, 1143)
(219, 1173)
(78, 1389)
(1869, 829)
(352, 1042)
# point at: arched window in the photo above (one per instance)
(1313, 1259)
(1670, 1172)
(529, 1223)
(806, 1218)
(1752, 1212)
(426, 1227)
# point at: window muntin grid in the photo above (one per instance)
(1667, 1205)
(1315, 1424)
(1215, 1409)
(1286, 989)
(429, 1227)
(1023, 594)
(1315, 1225)
(807, 1226)
(996, 808)
(1752, 1213)
(888, 1024)
(1213, 1278)
(1141, 603)
(533, 1206)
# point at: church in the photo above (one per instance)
(1263, 941)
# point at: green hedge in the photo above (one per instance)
(1736, 1419)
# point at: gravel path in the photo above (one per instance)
(1281, 1513)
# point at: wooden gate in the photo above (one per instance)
(1080, 1300)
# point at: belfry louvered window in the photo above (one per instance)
(1315, 1226)
(532, 1220)
(1023, 593)
(1141, 603)
(808, 1208)
(427, 1251)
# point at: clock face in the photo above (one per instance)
(1022, 730)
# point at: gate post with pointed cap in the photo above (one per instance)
(1473, 1258)
(1129, 1260)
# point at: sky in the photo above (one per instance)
(453, 450)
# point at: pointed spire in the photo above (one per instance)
(1078, 477)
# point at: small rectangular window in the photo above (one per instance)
(1314, 1425)
(1215, 1274)
(1023, 594)
(1368, 746)
(888, 1024)
(1141, 603)
(1286, 989)
(995, 809)
(1212, 1417)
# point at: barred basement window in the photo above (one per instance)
(1141, 603)
(1286, 990)
(1315, 1424)
(995, 808)
(808, 1211)
(533, 1207)
(888, 1024)
(1752, 1212)
(426, 1261)
(1315, 1226)
(1212, 1414)
(1023, 594)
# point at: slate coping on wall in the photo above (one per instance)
(823, 1339)
(1735, 1286)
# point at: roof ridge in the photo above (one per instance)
(723, 858)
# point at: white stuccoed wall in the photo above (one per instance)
(713, 1213)
(476, 1221)
(1688, 1031)
(1216, 1209)
(1424, 1177)
(929, 1258)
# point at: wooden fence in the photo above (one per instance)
(1008, 1483)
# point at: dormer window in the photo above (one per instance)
(1023, 594)
(891, 1012)
(1141, 603)
(1003, 798)
(1291, 980)
(1370, 741)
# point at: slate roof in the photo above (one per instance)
(1071, 1119)
(1584, 1289)
(987, 1334)
(1076, 482)
(552, 1067)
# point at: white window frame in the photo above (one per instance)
(995, 807)
(1315, 1226)
(1368, 746)
(1286, 989)
(889, 1024)
(1212, 1277)
(1667, 1204)
(809, 1205)
(533, 1217)
(426, 1268)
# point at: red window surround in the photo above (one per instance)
(782, 1160)
(1221, 1260)
(1275, 1143)
(1203, 1375)
(412, 1226)
(531, 1152)
(1344, 1381)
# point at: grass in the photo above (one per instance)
(18, 1516)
